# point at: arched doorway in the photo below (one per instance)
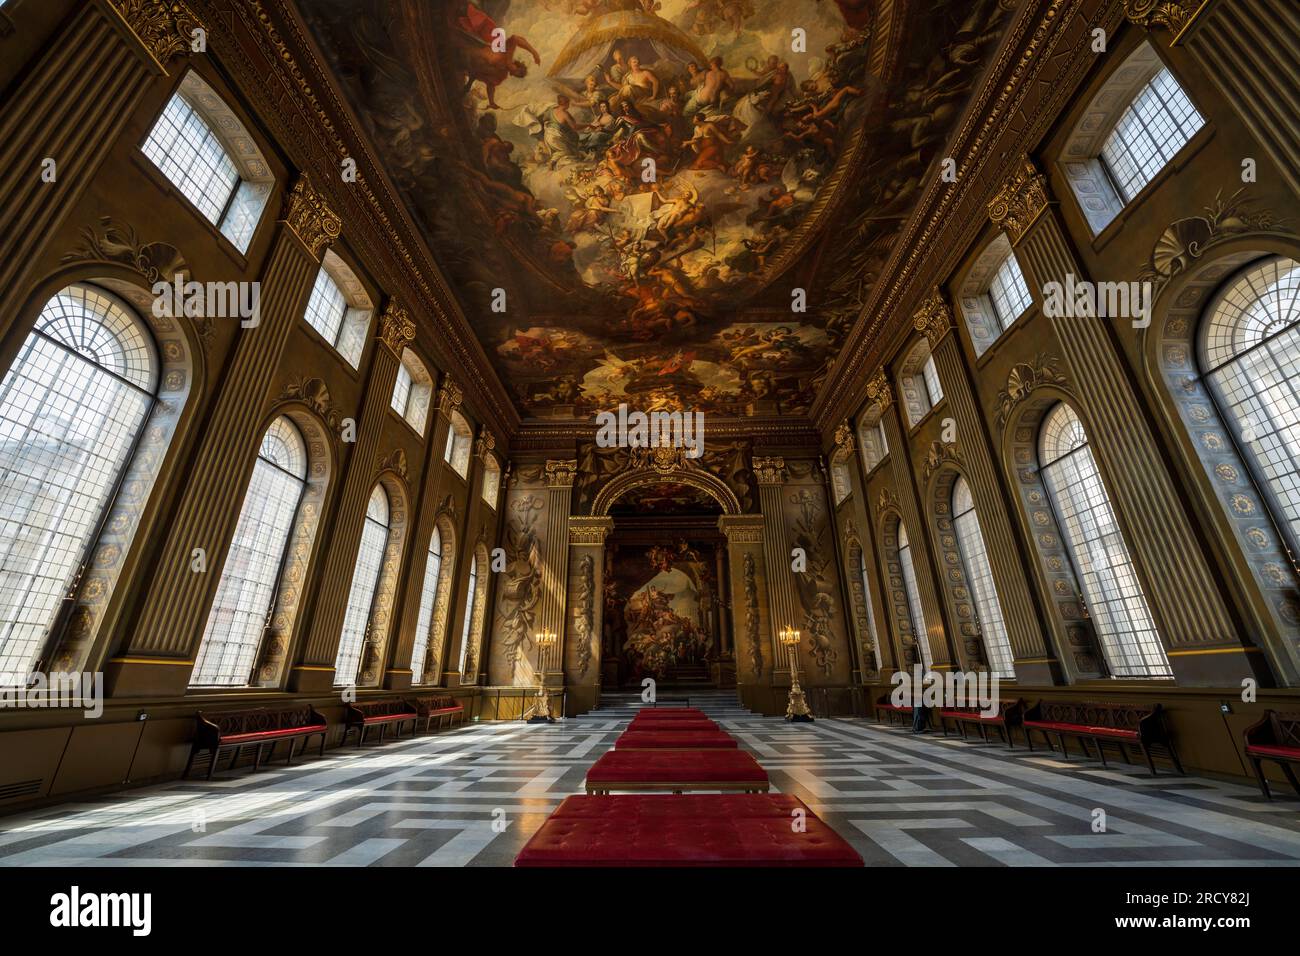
(665, 604)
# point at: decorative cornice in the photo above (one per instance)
(164, 27)
(1020, 201)
(560, 473)
(396, 330)
(879, 391)
(1174, 15)
(934, 318)
(589, 531)
(742, 529)
(769, 471)
(310, 217)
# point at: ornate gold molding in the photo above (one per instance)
(878, 390)
(939, 453)
(742, 529)
(396, 330)
(164, 27)
(315, 394)
(1023, 379)
(934, 318)
(844, 437)
(396, 463)
(1020, 201)
(769, 471)
(1174, 15)
(589, 531)
(310, 218)
(485, 442)
(560, 473)
(449, 396)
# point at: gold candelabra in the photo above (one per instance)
(545, 640)
(797, 708)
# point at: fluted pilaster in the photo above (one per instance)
(560, 475)
(751, 624)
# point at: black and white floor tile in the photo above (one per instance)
(473, 796)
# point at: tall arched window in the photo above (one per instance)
(471, 594)
(865, 575)
(412, 390)
(251, 575)
(915, 612)
(72, 407)
(491, 481)
(979, 573)
(361, 596)
(1250, 353)
(339, 309)
(1096, 544)
(918, 381)
(428, 601)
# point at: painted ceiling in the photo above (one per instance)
(626, 194)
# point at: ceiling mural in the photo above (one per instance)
(624, 193)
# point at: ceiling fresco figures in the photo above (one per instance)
(627, 193)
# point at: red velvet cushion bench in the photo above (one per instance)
(638, 739)
(676, 839)
(673, 726)
(676, 770)
(1275, 737)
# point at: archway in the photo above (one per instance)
(665, 567)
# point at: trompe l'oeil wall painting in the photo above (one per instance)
(647, 181)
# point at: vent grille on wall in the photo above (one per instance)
(23, 788)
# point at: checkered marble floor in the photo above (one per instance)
(473, 796)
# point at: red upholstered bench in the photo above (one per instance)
(674, 726)
(637, 739)
(1276, 737)
(258, 727)
(440, 709)
(1123, 725)
(676, 771)
(380, 713)
(724, 805)
(1009, 713)
(890, 710)
(674, 839)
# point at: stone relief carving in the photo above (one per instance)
(584, 622)
(816, 585)
(520, 588)
(1023, 379)
(315, 394)
(751, 617)
(395, 462)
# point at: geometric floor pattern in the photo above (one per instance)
(473, 797)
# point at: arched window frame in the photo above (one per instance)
(412, 391)
(475, 616)
(973, 552)
(912, 605)
(339, 309)
(491, 491)
(163, 384)
(920, 390)
(1129, 641)
(271, 470)
(223, 153)
(841, 474)
(1092, 182)
(982, 290)
(358, 620)
(871, 436)
(460, 442)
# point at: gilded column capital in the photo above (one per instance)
(933, 318)
(742, 529)
(310, 217)
(164, 27)
(770, 471)
(396, 330)
(1174, 15)
(485, 442)
(1021, 200)
(561, 473)
(879, 391)
(589, 531)
(449, 396)
(844, 437)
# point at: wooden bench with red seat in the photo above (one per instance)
(635, 738)
(884, 705)
(378, 713)
(1275, 737)
(1009, 714)
(687, 830)
(430, 709)
(256, 727)
(1123, 725)
(676, 771)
